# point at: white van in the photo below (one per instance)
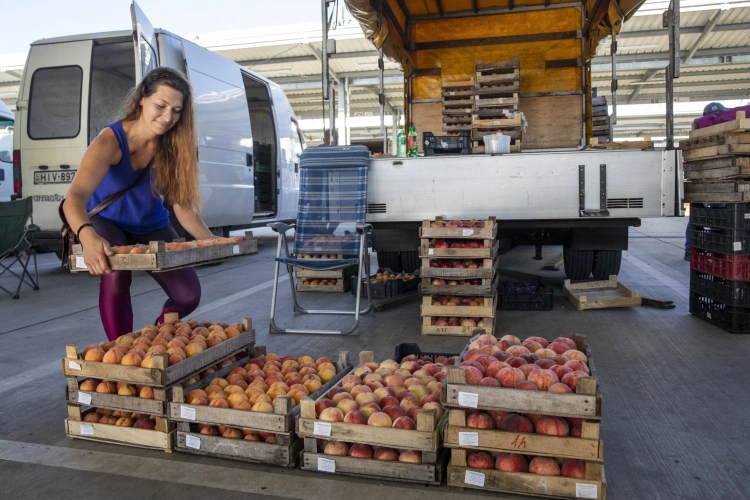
(6, 152)
(72, 87)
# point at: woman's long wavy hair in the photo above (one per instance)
(175, 164)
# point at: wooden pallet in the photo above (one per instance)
(647, 143)
(431, 474)
(738, 125)
(489, 251)
(457, 331)
(736, 167)
(343, 285)
(714, 140)
(489, 266)
(465, 111)
(280, 421)
(159, 259)
(585, 403)
(522, 483)
(486, 310)
(457, 103)
(717, 192)
(161, 438)
(597, 111)
(284, 453)
(163, 375)
(600, 294)
(478, 135)
(503, 88)
(488, 288)
(587, 447)
(711, 152)
(457, 120)
(508, 102)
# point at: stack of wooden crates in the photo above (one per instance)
(496, 89)
(458, 105)
(601, 128)
(484, 277)
(583, 405)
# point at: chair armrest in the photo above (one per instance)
(364, 227)
(32, 228)
(280, 227)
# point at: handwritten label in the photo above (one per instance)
(326, 465)
(474, 478)
(73, 365)
(322, 429)
(187, 413)
(236, 249)
(81, 263)
(737, 245)
(586, 490)
(431, 251)
(84, 398)
(87, 430)
(468, 232)
(193, 442)
(468, 439)
(519, 443)
(468, 400)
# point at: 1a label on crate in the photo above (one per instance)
(468, 400)
(236, 249)
(81, 263)
(73, 365)
(468, 439)
(431, 251)
(87, 430)
(468, 232)
(737, 245)
(84, 398)
(586, 490)
(475, 478)
(322, 429)
(193, 442)
(187, 413)
(326, 465)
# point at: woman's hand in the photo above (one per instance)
(95, 252)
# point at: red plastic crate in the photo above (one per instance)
(729, 267)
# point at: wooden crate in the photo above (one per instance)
(736, 167)
(344, 274)
(479, 150)
(342, 285)
(164, 375)
(479, 135)
(738, 125)
(524, 483)
(713, 141)
(488, 288)
(711, 152)
(489, 251)
(585, 403)
(457, 331)
(494, 124)
(600, 294)
(587, 447)
(284, 453)
(280, 421)
(717, 192)
(159, 259)
(426, 437)
(488, 232)
(431, 474)
(486, 310)
(488, 269)
(161, 438)
(156, 406)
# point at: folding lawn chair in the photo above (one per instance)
(13, 243)
(330, 222)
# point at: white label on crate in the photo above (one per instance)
(318, 249)
(468, 439)
(709, 315)
(453, 93)
(586, 490)
(193, 442)
(84, 398)
(81, 263)
(747, 216)
(236, 249)
(326, 465)
(468, 400)
(73, 365)
(496, 122)
(737, 246)
(475, 478)
(468, 232)
(431, 251)
(322, 429)
(187, 413)
(87, 430)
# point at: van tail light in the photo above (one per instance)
(17, 184)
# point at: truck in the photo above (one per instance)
(249, 140)
(558, 190)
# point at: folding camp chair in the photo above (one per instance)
(330, 222)
(14, 246)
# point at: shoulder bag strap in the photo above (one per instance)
(101, 206)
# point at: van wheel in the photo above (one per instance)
(606, 263)
(391, 260)
(578, 263)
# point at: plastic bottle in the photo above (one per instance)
(401, 143)
(412, 142)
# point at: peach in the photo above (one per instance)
(193, 349)
(517, 362)
(89, 385)
(144, 423)
(113, 356)
(127, 390)
(511, 462)
(517, 350)
(561, 370)
(498, 416)
(297, 395)
(571, 379)
(545, 466)
(432, 398)
(527, 369)
(552, 426)
(388, 401)
(410, 456)
(526, 386)
(359, 372)
(434, 386)
(95, 354)
(390, 365)
(404, 423)
(236, 398)
(359, 389)
(355, 417)
(383, 392)
(513, 422)
(419, 391)
(326, 375)
(380, 419)
(403, 373)
(131, 359)
(360, 451)
(489, 382)
(480, 460)
(575, 355)
(260, 398)
(92, 417)
(543, 379)
(480, 421)
(558, 347)
(147, 392)
(332, 415)
(312, 385)
(200, 401)
(263, 407)
(559, 359)
(369, 408)
(567, 341)
(511, 339)
(407, 403)
(233, 434)
(509, 377)
(545, 364)
(336, 448)
(495, 367)
(545, 353)
(124, 422)
(243, 405)
(391, 380)
(578, 366)
(372, 377)
(387, 454)
(576, 431)
(439, 411)
(574, 468)
(366, 397)
(532, 345)
(219, 403)
(394, 411)
(347, 405)
(106, 388)
(473, 375)
(559, 387)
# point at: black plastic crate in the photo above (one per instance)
(406, 349)
(722, 215)
(439, 145)
(731, 319)
(524, 296)
(390, 289)
(726, 241)
(731, 293)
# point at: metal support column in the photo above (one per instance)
(381, 99)
(673, 69)
(342, 114)
(347, 111)
(613, 117)
(332, 112)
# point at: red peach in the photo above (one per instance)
(387, 454)
(513, 422)
(404, 423)
(480, 421)
(510, 462)
(489, 382)
(355, 417)
(360, 451)
(527, 386)
(558, 347)
(569, 342)
(410, 456)
(480, 460)
(516, 362)
(541, 340)
(559, 387)
(509, 377)
(545, 466)
(552, 426)
(394, 411)
(543, 379)
(473, 375)
(336, 448)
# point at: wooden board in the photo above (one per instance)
(75, 366)
(621, 145)
(709, 197)
(587, 447)
(496, 102)
(739, 124)
(498, 66)
(489, 251)
(715, 174)
(554, 121)
(466, 82)
(714, 140)
(156, 406)
(600, 294)
(282, 455)
(457, 331)
(161, 438)
(466, 120)
(457, 103)
(340, 287)
(159, 259)
(489, 266)
(487, 310)
(489, 231)
(337, 274)
(515, 121)
(428, 117)
(488, 288)
(455, 93)
(710, 152)
(500, 87)
(515, 134)
(514, 148)
(735, 161)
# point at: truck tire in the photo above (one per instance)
(391, 260)
(410, 261)
(606, 263)
(578, 263)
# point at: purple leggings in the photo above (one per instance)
(181, 285)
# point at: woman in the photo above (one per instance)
(156, 132)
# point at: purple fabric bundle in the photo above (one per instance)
(724, 116)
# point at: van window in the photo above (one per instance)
(55, 103)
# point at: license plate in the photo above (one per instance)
(54, 176)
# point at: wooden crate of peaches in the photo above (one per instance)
(381, 421)
(161, 256)
(452, 315)
(248, 413)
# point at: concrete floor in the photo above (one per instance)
(675, 412)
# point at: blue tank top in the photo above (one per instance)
(138, 211)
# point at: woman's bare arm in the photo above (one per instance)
(193, 223)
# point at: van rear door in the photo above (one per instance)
(146, 50)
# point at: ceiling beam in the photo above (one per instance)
(439, 4)
(352, 74)
(252, 63)
(319, 56)
(492, 10)
(684, 30)
(703, 57)
(710, 25)
(650, 73)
